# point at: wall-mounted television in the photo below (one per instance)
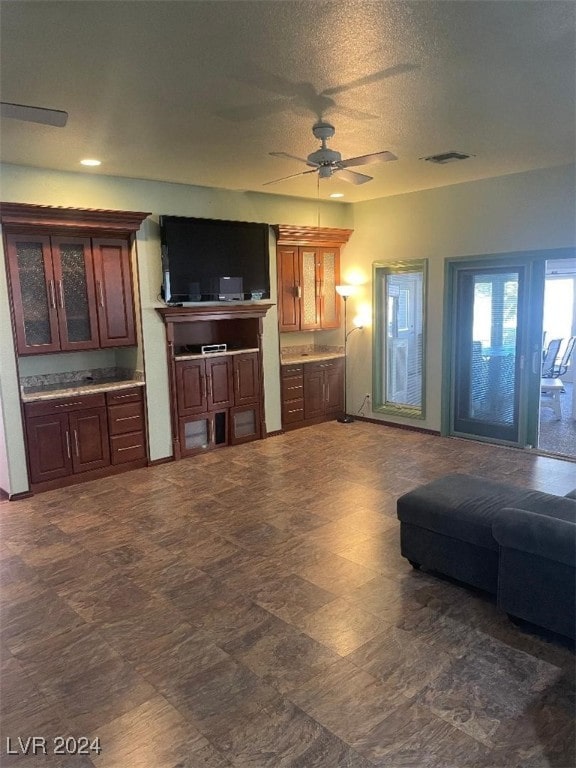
(214, 260)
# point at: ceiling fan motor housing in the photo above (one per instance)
(324, 156)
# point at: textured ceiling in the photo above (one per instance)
(201, 92)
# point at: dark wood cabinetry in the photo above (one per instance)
(312, 392)
(66, 437)
(292, 383)
(126, 426)
(217, 398)
(308, 266)
(114, 293)
(70, 286)
(81, 437)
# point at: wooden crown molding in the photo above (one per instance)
(212, 312)
(27, 215)
(287, 234)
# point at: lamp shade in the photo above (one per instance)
(345, 290)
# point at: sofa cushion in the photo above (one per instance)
(551, 537)
(465, 506)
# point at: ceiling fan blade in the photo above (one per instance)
(293, 157)
(293, 176)
(352, 176)
(397, 69)
(375, 157)
(55, 117)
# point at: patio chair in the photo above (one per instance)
(561, 368)
(549, 360)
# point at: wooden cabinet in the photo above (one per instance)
(70, 288)
(114, 294)
(52, 286)
(245, 416)
(312, 392)
(308, 266)
(217, 399)
(307, 280)
(81, 437)
(246, 369)
(66, 437)
(292, 383)
(203, 388)
(206, 389)
(126, 425)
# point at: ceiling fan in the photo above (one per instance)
(55, 117)
(327, 162)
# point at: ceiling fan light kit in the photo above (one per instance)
(327, 162)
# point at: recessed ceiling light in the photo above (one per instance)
(89, 161)
(337, 194)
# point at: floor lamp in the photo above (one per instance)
(345, 291)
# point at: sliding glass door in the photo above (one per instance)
(487, 370)
(495, 322)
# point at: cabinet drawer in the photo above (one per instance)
(292, 388)
(292, 370)
(293, 411)
(64, 405)
(127, 447)
(124, 418)
(122, 396)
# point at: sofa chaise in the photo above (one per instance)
(515, 543)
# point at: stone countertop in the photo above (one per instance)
(54, 391)
(310, 357)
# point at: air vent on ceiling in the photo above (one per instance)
(446, 157)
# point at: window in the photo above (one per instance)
(399, 306)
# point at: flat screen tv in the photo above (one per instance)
(213, 260)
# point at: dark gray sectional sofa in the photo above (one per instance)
(516, 543)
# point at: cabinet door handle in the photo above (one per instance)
(52, 295)
(127, 418)
(61, 294)
(203, 387)
(129, 448)
(328, 392)
(238, 382)
(100, 292)
(298, 290)
(121, 397)
(76, 445)
(68, 444)
(68, 405)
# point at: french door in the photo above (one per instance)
(495, 319)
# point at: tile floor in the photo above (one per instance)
(249, 607)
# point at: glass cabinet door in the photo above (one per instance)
(75, 297)
(330, 317)
(310, 301)
(33, 294)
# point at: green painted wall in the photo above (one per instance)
(522, 212)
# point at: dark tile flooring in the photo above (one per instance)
(249, 607)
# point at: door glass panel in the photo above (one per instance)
(245, 423)
(34, 297)
(487, 372)
(329, 287)
(399, 303)
(75, 292)
(309, 304)
(196, 434)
